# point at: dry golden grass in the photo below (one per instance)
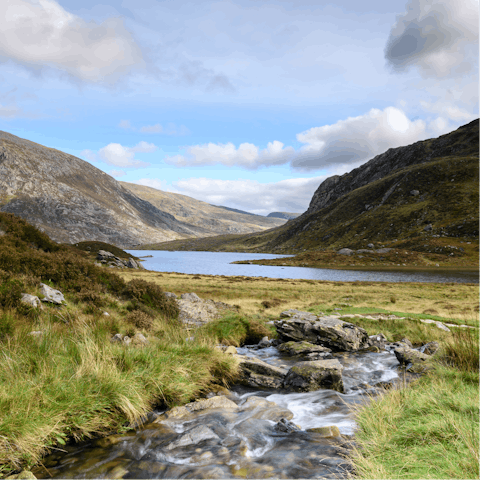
(457, 301)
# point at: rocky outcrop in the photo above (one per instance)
(108, 258)
(330, 332)
(309, 376)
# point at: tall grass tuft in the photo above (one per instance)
(461, 350)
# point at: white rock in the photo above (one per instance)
(51, 295)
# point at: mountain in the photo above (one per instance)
(213, 220)
(285, 215)
(71, 201)
(413, 193)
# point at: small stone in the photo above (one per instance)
(370, 245)
(117, 338)
(170, 295)
(106, 314)
(428, 228)
(414, 193)
(36, 334)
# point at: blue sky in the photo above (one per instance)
(240, 103)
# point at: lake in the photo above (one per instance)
(220, 263)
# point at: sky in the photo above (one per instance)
(240, 103)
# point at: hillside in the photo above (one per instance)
(213, 220)
(415, 194)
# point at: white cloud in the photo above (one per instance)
(116, 173)
(40, 33)
(440, 37)
(246, 155)
(356, 139)
(291, 195)
(120, 156)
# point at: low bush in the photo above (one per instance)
(10, 293)
(140, 319)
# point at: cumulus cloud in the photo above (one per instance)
(292, 195)
(120, 156)
(246, 155)
(39, 33)
(440, 37)
(356, 139)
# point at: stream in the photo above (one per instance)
(260, 434)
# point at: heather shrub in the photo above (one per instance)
(140, 319)
(10, 293)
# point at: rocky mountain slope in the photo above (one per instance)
(418, 192)
(213, 220)
(72, 200)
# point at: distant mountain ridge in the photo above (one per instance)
(212, 219)
(285, 215)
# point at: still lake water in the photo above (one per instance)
(219, 263)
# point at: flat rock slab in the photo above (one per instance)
(302, 348)
(327, 331)
(256, 373)
(309, 376)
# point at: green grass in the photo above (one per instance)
(235, 329)
(431, 428)
(71, 382)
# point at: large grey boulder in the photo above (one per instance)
(330, 332)
(51, 295)
(256, 373)
(309, 376)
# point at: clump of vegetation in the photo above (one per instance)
(235, 329)
(140, 319)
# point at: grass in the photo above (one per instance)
(431, 428)
(457, 303)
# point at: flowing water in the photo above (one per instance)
(220, 263)
(246, 441)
